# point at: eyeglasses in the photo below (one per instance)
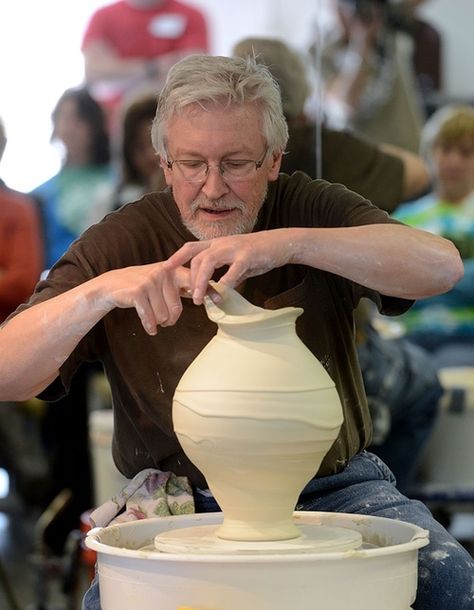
(230, 169)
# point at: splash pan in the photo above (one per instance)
(134, 574)
(202, 539)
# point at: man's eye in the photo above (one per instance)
(192, 164)
(235, 164)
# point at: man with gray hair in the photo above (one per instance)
(230, 216)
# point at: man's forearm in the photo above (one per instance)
(36, 342)
(393, 259)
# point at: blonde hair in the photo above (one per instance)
(452, 124)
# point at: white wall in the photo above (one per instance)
(40, 57)
(229, 21)
(294, 21)
(455, 20)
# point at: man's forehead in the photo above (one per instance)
(219, 107)
(218, 129)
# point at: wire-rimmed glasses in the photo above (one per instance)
(197, 170)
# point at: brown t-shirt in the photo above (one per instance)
(143, 370)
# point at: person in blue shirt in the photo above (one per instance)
(444, 324)
(67, 199)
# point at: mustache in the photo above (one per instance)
(223, 203)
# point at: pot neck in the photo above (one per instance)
(233, 310)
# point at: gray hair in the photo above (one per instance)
(287, 68)
(206, 79)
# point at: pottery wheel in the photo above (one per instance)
(202, 539)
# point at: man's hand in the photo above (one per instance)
(44, 335)
(154, 290)
(246, 255)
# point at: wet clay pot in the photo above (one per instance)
(256, 412)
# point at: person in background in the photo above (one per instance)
(21, 247)
(427, 50)
(368, 77)
(69, 204)
(21, 262)
(140, 171)
(384, 174)
(130, 292)
(401, 383)
(445, 324)
(140, 163)
(67, 200)
(129, 46)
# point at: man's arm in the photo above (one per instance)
(392, 259)
(36, 342)
(416, 176)
(103, 64)
(383, 173)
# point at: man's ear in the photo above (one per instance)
(167, 171)
(274, 168)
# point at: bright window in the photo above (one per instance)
(40, 58)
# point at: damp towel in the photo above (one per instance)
(151, 493)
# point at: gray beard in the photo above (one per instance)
(220, 229)
(245, 224)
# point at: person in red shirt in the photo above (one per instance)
(21, 263)
(21, 251)
(129, 46)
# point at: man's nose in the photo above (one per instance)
(214, 186)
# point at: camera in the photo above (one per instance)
(364, 10)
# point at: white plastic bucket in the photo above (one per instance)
(449, 454)
(384, 575)
(107, 479)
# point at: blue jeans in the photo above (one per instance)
(366, 486)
